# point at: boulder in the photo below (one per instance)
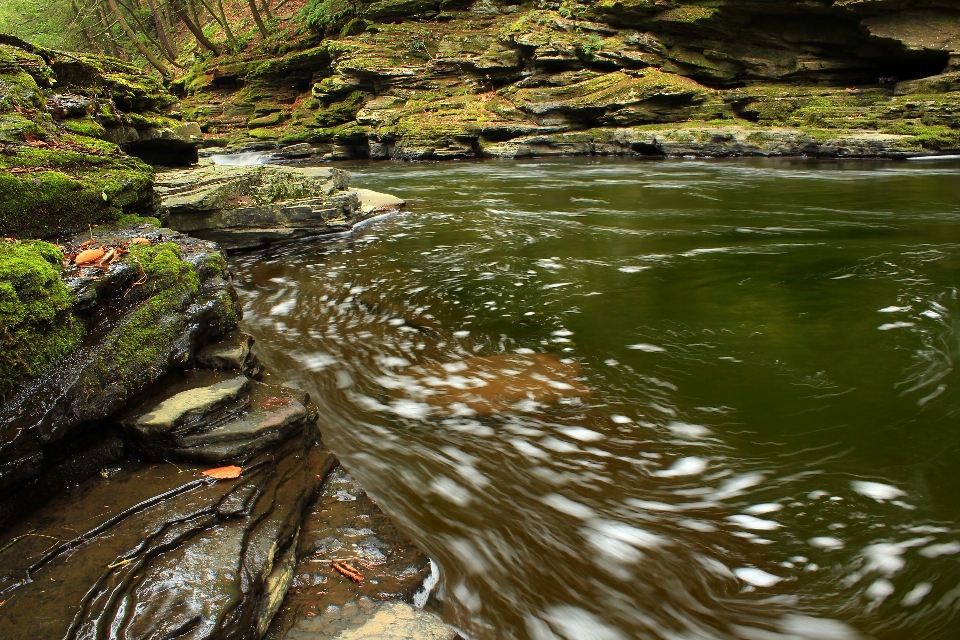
(247, 207)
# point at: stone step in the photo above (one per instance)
(215, 417)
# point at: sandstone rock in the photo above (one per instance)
(245, 207)
(232, 352)
(344, 523)
(374, 201)
(216, 417)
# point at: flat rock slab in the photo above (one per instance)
(214, 417)
(189, 407)
(401, 621)
(373, 201)
(157, 551)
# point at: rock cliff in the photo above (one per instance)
(419, 80)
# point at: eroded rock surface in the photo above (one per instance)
(156, 550)
(251, 206)
(496, 79)
(143, 315)
(345, 524)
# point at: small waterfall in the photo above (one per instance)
(246, 159)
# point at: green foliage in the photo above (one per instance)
(328, 16)
(49, 23)
(37, 324)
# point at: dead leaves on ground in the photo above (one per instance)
(223, 473)
(102, 256)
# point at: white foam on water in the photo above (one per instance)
(760, 509)
(423, 593)
(810, 628)
(937, 550)
(582, 434)
(735, 486)
(648, 348)
(915, 595)
(893, 309)
(568, 506)
(826, 542)
(314, 361)
(246, 159)
(451, 490)
(687, 430)
(688, 466)
(756, 524)
(618, 419)
(895, 325)
(284, 308)
(460, 334)
(933, 158)
(756, 577)
(876, 490)
(880, 590)
(574, 623)
(410, 409)
(632, 269)
(556, 285)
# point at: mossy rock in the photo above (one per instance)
(46, 192)
(37, 324)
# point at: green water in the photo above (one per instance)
(760, 341)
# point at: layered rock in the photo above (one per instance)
(251, 206)
(62, 118)
(137, 318)
(483, 74)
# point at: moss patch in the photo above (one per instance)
(37, 324)
(146, 335)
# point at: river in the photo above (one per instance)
(623, 398)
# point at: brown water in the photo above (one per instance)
(648, 399)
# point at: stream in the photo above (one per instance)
(622, 398)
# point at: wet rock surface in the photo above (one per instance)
(345, 525)
(144, 315)
(156, 550)
(243, 207)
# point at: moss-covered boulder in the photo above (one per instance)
(81, 341)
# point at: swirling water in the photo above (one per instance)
(648, 399)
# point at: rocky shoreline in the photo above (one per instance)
(108, 520)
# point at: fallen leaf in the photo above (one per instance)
(274, 402)
(348, 571)
(88, 243)
(139, 241)
(90, 256)
(223, 473)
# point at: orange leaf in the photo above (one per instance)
(223, 473)
(90, 256)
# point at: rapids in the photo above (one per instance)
(630, 398)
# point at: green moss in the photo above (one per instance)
(37, 324)
(146, 334)
(133, 220)
(69, 191)
(85, 127)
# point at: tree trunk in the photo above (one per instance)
(112, 48)
(257, 18)
(136, 42)
(222, 21)
(181, 10)
(87, 39)
(162, 31)
(266, 9)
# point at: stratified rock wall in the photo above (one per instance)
(417, 81)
